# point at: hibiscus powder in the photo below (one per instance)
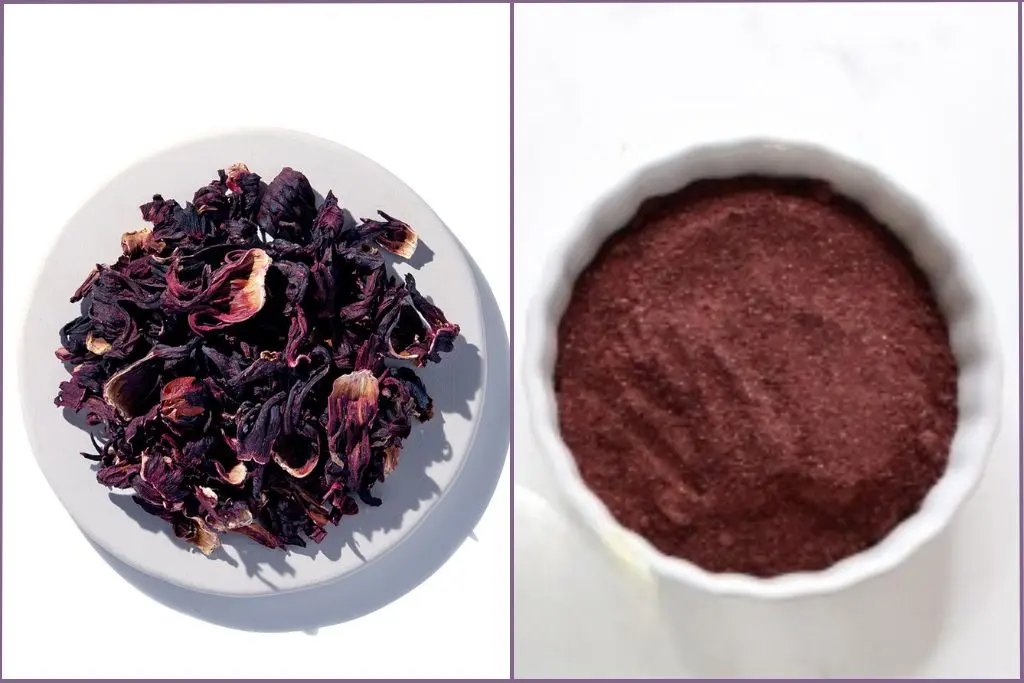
(754, 375)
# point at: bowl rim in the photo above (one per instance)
(907, 537)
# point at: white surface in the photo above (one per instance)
(88, 91)
(927, 92)
(959, 292)
(573, 572)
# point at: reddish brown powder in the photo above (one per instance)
(754, 376)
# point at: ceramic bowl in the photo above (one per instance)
(958, 291)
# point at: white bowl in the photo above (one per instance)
(959, 293)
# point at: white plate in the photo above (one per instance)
(433, 456)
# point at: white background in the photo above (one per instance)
(926, 92)
(89, 90)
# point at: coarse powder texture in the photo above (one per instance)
(754, 376)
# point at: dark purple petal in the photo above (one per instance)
(232, 294)
(72, 395)
(397, 237)
(417, 330)
(351, 408)
(288, 207)
(118, 476)
(133, 389)
(258, 430)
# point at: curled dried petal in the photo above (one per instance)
(118, 476)
(231, 516)
(183, 403)
(259, 533)
(258, 430)
(237, 292)
(297, 333)
(202, 537)
(71, 395)
(391, 459)
(352, 406)
(139, 242)
(97, 345)
(235, 172)
(159, 212)
(288, 207)
(297, 461)
(132, 390)
(235, 475)
(417, 330)
(397, 237)
(331, 220)
(222, 515)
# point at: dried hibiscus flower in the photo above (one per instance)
(240, 357)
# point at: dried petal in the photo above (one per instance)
(202, 537)
(231, 516)
(297, 336)
(259, 533)
(132, 390)
(351, 408)
(118, 476)
(397, 237)
(391, 459)
(236, 293)
(235, 475)
(71, 395)
(288, 207)
(236, 171)
(183, 404)
(258, 429)
(296, 457)
(222, 515)
(417, 330)
(331, 220)
(97, 345)
(139, 242)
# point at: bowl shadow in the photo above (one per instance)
(885, 627)
(439, 534)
